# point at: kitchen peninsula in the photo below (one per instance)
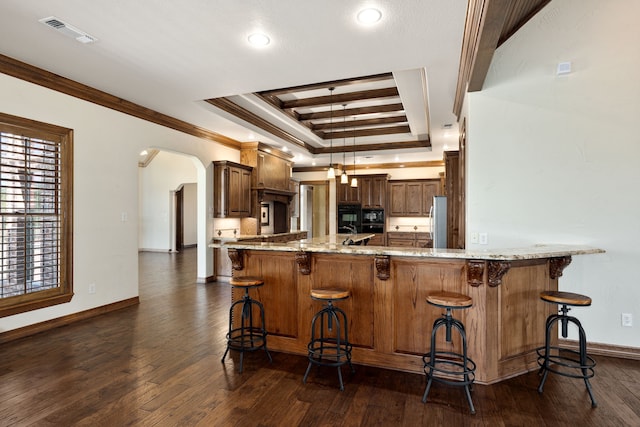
(389, 319)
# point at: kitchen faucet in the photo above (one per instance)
(352, 229)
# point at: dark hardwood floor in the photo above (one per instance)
(159, 364)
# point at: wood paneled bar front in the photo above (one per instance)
(389, 320)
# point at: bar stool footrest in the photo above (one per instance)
(246, 340)
(448, 365)
(325, 352)
(561, 360)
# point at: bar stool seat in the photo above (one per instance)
(329, 345)
(249, 335)
(447, 367)
(563, 361)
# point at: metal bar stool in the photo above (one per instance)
(447, 367)
(248, 336)
(329, 345)
(562, 361)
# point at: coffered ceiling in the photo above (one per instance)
(187, 65)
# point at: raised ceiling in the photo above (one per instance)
(162, 60)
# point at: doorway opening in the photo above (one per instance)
(314, 208)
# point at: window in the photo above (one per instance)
(36, 164)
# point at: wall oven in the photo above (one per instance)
(349, 216)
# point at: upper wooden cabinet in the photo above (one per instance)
(272, 168)
(373, 190)
(345, 193)
(412, 198)
(232, 190)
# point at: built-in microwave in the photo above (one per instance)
(373, 216)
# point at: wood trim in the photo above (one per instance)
(384, 108)
(243, 114)
(426, 164)
(488, 24)
(421, 143)
(318, 101)
(66, 320)
(357, 123)
(40, 77)
(385, 130)
(607, 350)
(334, 83)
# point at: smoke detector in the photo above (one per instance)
(68, 30)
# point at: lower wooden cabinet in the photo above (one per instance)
(377, 240)
(407, 239)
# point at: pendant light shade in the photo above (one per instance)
(331, 173)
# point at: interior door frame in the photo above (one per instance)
(326, 184)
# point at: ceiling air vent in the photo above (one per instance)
(68, 30)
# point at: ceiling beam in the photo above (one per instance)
(325, 85)
(318, 101)
(424, 164)
(385, 108)
(349, 124)
(488, 24)
(421, 143)
(388, 130)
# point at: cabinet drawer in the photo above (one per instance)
(400, 242)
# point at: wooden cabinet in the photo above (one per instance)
(406, 239)
(373, 190)
(430, 189)
(455, 200)
(412, 198)
(272, 171)
(377, 240)
(270, 183)
(232, 190)
(345, 193)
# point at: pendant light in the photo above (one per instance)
(331, 173)
(354, 180)
(344, 179)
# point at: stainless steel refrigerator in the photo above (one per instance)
(439, 222)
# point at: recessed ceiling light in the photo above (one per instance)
(144, 152)
(369, 16)
(258, 39)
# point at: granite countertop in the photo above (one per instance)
(337, 239)
(333, 244)
(241, 237)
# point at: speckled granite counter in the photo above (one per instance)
(389, 319)
(333, 244)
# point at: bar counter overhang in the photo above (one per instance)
(389, 320)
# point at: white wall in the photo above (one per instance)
(106, 150)
(554, 159)
(164, 174)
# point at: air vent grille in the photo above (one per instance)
(68, 30)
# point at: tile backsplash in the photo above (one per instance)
(408, 224)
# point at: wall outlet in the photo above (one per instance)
(474, 237)
(627, 320)
(92, 288)
(483, 238)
